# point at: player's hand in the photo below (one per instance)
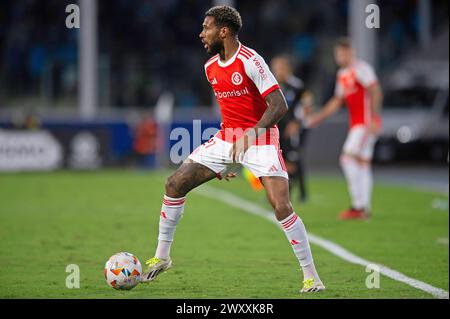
(241, 146)
(313, 120)
(308, 110)
(374, 128)
(307, 101)
(292, 129)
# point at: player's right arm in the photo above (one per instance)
(333, 105)
(328, 110)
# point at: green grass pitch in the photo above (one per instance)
(50, 220)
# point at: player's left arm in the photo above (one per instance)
(259, 73)
(367, 77)
(276, 109)
(376, 101)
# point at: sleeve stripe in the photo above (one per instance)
(247, 51)
(245, 54)
(243, 58)
(212, 58)
(270, 90)
(211, 61)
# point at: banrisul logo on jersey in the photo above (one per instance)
(237, 78)
(228, 94)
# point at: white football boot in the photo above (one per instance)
(311, 285)
(155, 266)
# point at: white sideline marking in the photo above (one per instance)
(333, 248)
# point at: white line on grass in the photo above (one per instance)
(333, 248)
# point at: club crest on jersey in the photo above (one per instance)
(237, 78)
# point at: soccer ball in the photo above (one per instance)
(123, 271)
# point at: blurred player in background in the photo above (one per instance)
(251, 104)
(358, 86)
(293, 132)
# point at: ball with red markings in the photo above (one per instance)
(123, 271)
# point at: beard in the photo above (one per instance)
(215, 48)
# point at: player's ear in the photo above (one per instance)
(223, 32)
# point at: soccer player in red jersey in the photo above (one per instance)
(251, 104)
(358, 86)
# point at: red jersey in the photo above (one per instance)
(352, 84)
(240, 86)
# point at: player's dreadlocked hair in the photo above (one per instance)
(226, 16)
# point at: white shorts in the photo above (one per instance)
(360, 142)
(261, 160)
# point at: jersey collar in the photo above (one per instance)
(230, 61)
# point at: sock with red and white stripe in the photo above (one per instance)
(171, 213)
(352, 172)
(366, 185)
(296, 234)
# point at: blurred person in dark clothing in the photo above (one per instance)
(293, 133)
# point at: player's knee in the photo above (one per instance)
(173, 187)
(346, 159)
(364, 162)
(283, 210)
(170, 185)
